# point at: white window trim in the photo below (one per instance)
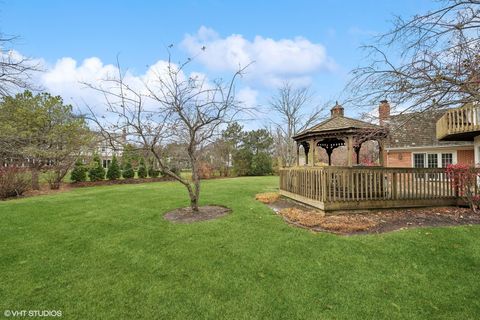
(439, 157)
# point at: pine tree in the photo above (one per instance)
(113, 172)
(128, 172)
(152, 172)
(79, 172)
(96, 171)
(142, 169)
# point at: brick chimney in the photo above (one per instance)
(336, 111)
(384, 112)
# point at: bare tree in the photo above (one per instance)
(429, 61)
(174, 107)
(290, 105)
(15, 70)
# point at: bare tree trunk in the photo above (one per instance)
(195, 194)
(194, 202)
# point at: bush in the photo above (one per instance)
(246, 163)
(261, 165)
(152, 172)
(128, 172)
(205, 170)
(174, 169)
(79, 172)
(464, 181)
(14, 181)
(142, 169)
(55, 176)
(242, 160)
(113, 172)
(96, 171)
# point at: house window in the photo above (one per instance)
(447, 158)
(419, 160)
(104, 163)
(432, 160)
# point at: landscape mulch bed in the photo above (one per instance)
(119, 181)
(64, 187)
(371, 221)
(44, 189)
(186, 215)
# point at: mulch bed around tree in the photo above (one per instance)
(371, 221)
(186, 215)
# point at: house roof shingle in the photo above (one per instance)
(417, 129)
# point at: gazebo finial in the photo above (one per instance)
(337, 110)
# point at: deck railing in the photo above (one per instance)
(461, 120)
(373, 187)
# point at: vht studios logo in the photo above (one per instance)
(32, 313)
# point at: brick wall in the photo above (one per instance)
(404, 159)
(466, 157)
(399, 159)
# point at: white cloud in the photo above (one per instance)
(248, 97)
(275, 61)
(68, 78)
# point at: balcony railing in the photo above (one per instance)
(461, 123)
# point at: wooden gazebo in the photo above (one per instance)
(339, 131)
(359, 187)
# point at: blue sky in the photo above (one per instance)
(327, 33)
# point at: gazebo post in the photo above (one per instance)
(357, 152)
(349, 150)
(306, 148)
(329, 154)
(298, 154)
(381, 149)
(311, 160)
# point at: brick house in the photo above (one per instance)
(413, 141)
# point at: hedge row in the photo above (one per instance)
(95, 171)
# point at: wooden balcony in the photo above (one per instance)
(351, 188)
(461, 124)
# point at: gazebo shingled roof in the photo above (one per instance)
(338, 123)
(337, 131)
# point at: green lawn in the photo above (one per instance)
(107, 253)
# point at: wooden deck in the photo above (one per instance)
(347, 188)
(459, 124)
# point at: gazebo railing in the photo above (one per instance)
(336, 188)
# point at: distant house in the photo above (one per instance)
(413, 141)
(106, 148)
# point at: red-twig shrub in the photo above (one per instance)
(464, 179)
(368, 163)
(14, 181)
(205, 171)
